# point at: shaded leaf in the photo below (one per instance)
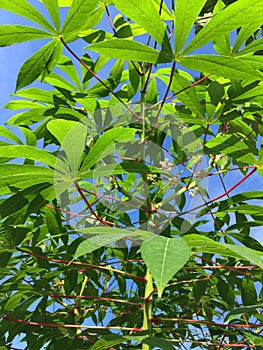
(248, 292)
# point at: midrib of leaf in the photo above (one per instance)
(165, 255)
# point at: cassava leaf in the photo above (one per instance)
(129, 50)
(76, 18)
(42, 62)
(164, 257)
(13, 34)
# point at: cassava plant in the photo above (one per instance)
(130, 176)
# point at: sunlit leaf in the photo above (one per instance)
(76, 18)
(72, 137)
(25, 9)
(129, 50)
(145, 14)
(164, 257)
(233, 16)
(185, 16)
(13, 34)
(42, 62)
(224, 66)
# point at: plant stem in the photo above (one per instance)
(147, 311)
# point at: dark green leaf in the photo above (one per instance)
(248, 292)
(41, 62)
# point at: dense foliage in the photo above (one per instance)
(126, 211)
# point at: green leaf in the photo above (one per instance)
(231, 145)
(206, 245)
(185, 16)
(233, 16)
(13, 34)
(72, 137)
(129, 50)
(145, 14)
(224, 66)
(93, 243)
(4, 132)
(76, 18)
(187, 97)
(24, 9)
(164, 257)
(247, 209)
(252, 47)
(36, 94)
(53, 10)
(106, 145)
(245, 31)
(114, 339)
(28, 152)
(158, 342)
(12, 174)
(248, 292)
(216, 92)
(42, 62)
(243, 310)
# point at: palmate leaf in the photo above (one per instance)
(185, 16)
(76, 18)
(147, 16)
(206, 245)
(28, 152)
(106, 145)
(42, 62)
(13, 174)
(34, 196)
(233, 16)
(13, 34)
(187, 97)
(164, 257)
(233, 146)
(24, 9)
(93, 243)
(129, 50)
(53, 10)
(72, 137)
(224, 66)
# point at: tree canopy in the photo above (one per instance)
(126, 210)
